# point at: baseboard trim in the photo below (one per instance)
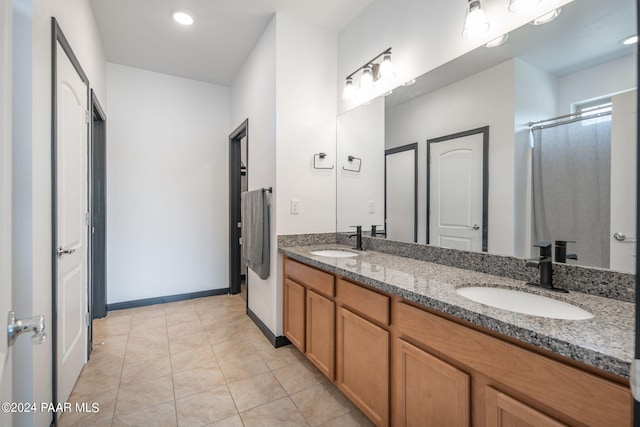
(277, 342)
(169, 298)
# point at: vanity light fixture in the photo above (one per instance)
(547, 17)
(475, 21)
(629, 40)
(349, 92)
(182, 18)
(517, 6)
(386, 67)
(498, 41)
(372, 71)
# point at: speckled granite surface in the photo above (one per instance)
(593, 281)
(604, 342)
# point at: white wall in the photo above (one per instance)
(286, 89)
(423, 35)
(306, 61)
(535, 99)
(361, 134)
(484, 99)
(32, 174)
(167, 174)
(605, 79)
(253, 97)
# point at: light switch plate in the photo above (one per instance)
(295, 206)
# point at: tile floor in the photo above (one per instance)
(201, 362)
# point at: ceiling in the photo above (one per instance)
(142, 33)
(586, 33)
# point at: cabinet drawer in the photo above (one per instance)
(363, 300)
(309, 276)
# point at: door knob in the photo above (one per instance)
(17, 326)
(621, 237)
(475, 227)
(62, 251)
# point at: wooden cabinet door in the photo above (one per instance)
(293, 316)
(504, 411)
(363, 365)
(321, 333)
(428, 391)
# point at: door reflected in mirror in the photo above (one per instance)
(539, 73)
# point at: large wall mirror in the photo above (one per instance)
(553, 174)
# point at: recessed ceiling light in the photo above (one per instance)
(182, 18)
(498, 41)
(629, 40)
(409, 83)
(547, 17)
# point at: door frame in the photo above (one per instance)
(97, 295)
(235, 187)
(485, 177)
(58, 37)
(396, 150)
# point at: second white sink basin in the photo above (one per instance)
(524, 302)
(334, 253)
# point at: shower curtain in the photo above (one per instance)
(571, 187)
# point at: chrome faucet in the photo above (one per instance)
(358, 237)
(544, 264)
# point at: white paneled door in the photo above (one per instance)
(400, 195)
(71, 224)
(6, 11)
(455, 195)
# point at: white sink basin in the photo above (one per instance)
(524, 302)
(335, 253)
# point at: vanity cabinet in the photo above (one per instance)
(505, 411)
(362, 349)
(403, 364)
(294, 313)
(320, 319)
(429, 391)
(309, 314)
(510, 385)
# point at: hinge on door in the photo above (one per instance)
(240, 241)
(87, 218)
(86, 319)
(88, 116)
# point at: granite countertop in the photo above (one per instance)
(605, 341)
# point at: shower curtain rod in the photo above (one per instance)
(581, 116)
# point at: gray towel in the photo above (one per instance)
(256, 245)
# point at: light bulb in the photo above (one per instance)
(386, 67)
(475, 22)
(629, 40)
(366, 81)
(517, 6)
(349, 91)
